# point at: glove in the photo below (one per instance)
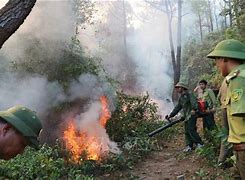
(208, 111)
(193, 112)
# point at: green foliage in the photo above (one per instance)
(84, 11)
(133, 119)
(232, 33)
(135, 116)
(196, 63)
(201, 173)
(42, 164)
(65, 66)
(211, 148)
(47, 163)
(235, 10)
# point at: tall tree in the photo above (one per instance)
(178, 53)
(112, 36)
(210, 16)
(12, 15)
(169, 7)
(84, 11)
(199, 8)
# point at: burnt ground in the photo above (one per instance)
(171, 163)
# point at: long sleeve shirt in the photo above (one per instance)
(209, 97)
(187, 101)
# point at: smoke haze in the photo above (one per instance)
(148, 48)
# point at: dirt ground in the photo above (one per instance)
(172, 163)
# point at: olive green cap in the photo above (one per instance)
(181, 84)
(229, 48)
(25, 121)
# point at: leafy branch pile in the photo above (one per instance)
(133, 118)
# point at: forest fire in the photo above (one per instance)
(84, 145)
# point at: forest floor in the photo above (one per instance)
(172, 163)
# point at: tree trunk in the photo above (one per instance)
(178, 53)
(225, 21)
(129, 77)
(124, 30)
(172, 52)
(200, 25)
(230, 13)
(12, 15)
(210, 16)
(215, 16)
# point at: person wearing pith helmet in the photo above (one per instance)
(19, 127)
(188, 103)
(230, 57)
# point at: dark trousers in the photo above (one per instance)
(225, 152)
(208, 122)
(191, 135)
(240, 163)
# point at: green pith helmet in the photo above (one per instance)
(181, 84)
(25, 121)
(229, 48)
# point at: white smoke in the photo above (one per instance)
(148, 48)
(92, 87)
(34, 92)
(88, 123)
(48, 29)
(50, 23)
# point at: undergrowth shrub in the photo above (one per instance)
(129, 125)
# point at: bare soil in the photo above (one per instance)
(172, 163)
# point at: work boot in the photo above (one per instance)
(187, 149)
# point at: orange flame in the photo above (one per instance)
(78, 142)
(105, 116)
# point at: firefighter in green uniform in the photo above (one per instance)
(209, 98)
(188, 102)
(19, 127)
(230, 58)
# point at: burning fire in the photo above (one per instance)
(81, 141)
(105, 116)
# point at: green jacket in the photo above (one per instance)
(187, 101)
(209, 97)
(235, 104)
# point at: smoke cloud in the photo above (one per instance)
(88, 123)
(50, 25)
(48, 29)
(35, 93)
(91, 87)
(147, 48)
